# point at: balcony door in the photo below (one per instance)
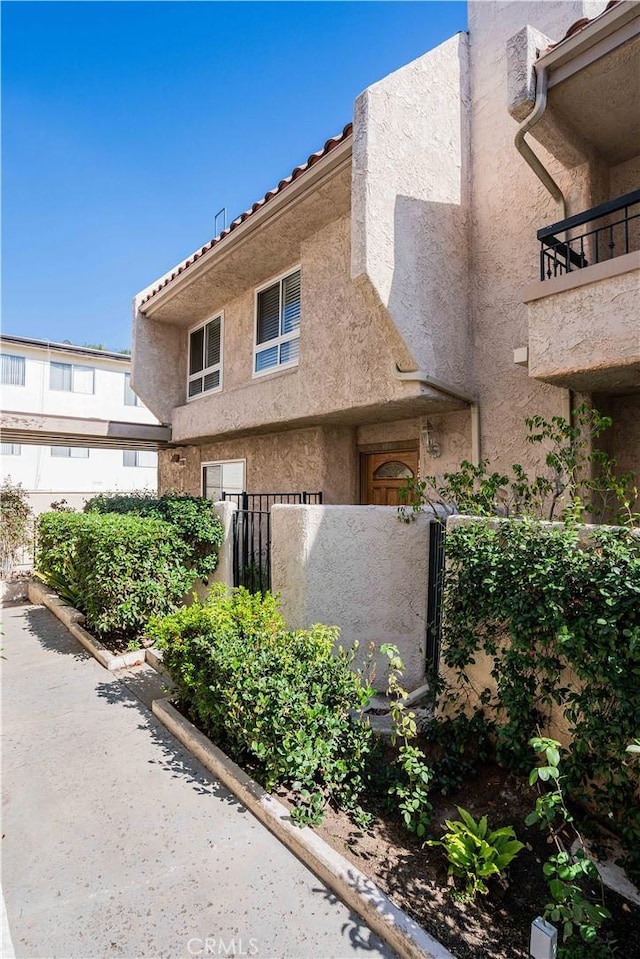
(384, 475)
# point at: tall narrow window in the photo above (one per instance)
(130, 398)
(205, 358)
(12, 370)
(278, 324)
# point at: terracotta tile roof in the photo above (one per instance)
(581, 24)
(298, 171)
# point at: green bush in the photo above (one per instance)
(281, 699)
(15, 521)
(194, 518)
(544, 603)
(120, 570)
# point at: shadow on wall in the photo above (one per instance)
(429, 294)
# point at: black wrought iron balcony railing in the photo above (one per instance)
(613, 229)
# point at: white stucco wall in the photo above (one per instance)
(359, 568)
(48, 477)
(410, 202)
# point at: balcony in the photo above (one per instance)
(584, 327)
(606, 231)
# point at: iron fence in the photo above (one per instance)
(252, 550)
(614, 230)
(264, 501)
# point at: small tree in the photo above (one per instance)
(15, 523)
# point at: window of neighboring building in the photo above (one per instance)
(71, 378)
(70, 452)
(227, 476)
(205, 358)
(140, 458)
(130, 398)
(10, 449)
(12, 370)
(277, 324)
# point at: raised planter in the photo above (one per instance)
(359, 892)
(73, 619)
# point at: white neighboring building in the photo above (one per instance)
(57, 379)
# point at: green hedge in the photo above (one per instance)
(537, 599)
(118, 570)
(283, 699)
(194, 517)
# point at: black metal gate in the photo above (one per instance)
(437, 533)
(252, 549)
(252, 535)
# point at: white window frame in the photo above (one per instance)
(127, 389)
(136, 464)
(239, 459)
(23, 365)
(209, 369)
(11, 449)
(74, 367)
(69, 454)
(283, 337)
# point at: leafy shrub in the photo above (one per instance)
(474, 853)
(281, 699)
(15, 520)
(120, 569)
(194, 518)
(545, 603)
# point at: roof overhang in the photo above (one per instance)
(313, 183)
(41, 429)
(593, 79)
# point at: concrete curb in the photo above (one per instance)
(360, 893)
(43, 595)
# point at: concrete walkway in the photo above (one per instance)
(118, 843)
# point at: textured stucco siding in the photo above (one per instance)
(345, 362)
(509, 204)
(410, 207)
(593, 328)
(316, 460)
(359, 568)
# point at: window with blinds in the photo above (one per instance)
(12, 370)
(205, 358)
(278, 324)
(71, 378)
(10, 449)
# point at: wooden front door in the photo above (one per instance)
(384, 475)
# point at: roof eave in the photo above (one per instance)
(325, 167)
(609, 30)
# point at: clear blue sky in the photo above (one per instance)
(126, 126)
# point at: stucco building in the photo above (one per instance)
(389, 308)
(63, 394)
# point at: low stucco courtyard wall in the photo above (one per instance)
(359, 568)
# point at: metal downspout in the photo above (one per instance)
(525, 150)
(421, 376)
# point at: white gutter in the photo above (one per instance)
(421, 376)
(525, 150)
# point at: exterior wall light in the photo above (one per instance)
(430, 441)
